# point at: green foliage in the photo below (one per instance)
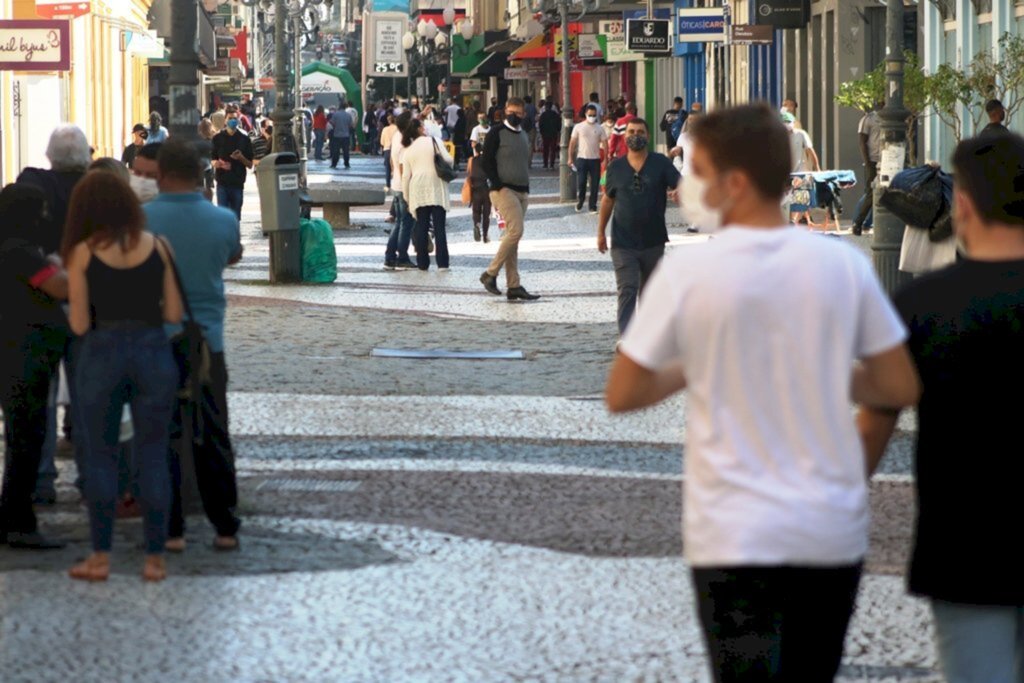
(949, 92)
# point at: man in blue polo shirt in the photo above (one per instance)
(205, 240)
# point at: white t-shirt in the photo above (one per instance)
(589, 137)
(684, 164)
(451, 113)
(767, 325)
(799, 143)
(396, 159)
(478, 134)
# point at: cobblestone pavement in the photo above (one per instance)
(429, 520)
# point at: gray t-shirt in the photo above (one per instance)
(342, 124)
(872, 127)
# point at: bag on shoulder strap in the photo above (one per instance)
(444, 170)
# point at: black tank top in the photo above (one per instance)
(127, 294)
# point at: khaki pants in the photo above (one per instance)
(512, 207)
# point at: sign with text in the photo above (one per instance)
(474, 84)
(650, 36)
(705, 25)
(590, 47)
(386, 32)
(784, 13)
(62, 9)
(35, 45)
(751, 34)
(613, 33)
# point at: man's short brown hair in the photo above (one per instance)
(748, 138)
(515, 102)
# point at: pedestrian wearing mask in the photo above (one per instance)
(232, 156)
(144, 173)
(636, 193)
(139, 135)
(771, 330)
(591, 144)
(33, 337)
(156, 133)
(550, 126)
(121, 291)
(426, 193)
(506, 160)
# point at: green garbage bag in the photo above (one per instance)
(319, 260)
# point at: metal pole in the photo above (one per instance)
(183, 80)
(285, 247)
(300, 121)
(888, 229)
(565, 192)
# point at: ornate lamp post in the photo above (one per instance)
(428, 45)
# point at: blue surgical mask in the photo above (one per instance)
(232, 123)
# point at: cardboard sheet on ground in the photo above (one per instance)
(445, 353)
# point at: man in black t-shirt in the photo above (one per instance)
(635, 196)
(996, 119)
(966, 334)
(672, 122)
(232, 155)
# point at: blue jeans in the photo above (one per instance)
(318, 144)
(425, 217)
(134, 366)
(588, 168)
(398, 242)
(980, 643)
(231, 198)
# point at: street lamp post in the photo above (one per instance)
(888, 229)
(565, 192)
(428, 42)
(284, 140)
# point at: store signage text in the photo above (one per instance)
(700, 25)
(31, 45)
(614, 35)
(784, 13)
(62, 9)
(648, 36)
(751, 34)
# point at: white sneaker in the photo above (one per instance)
(443, 270)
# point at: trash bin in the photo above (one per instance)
(277, 178)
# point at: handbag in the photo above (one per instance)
(192, 356)
(444, 170)
(467, 188)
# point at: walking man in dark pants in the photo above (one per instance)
(590, 140)
(205, 240)
(232, 156)
(340, 125)
(636, 190)
(869, 133)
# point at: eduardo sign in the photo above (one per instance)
(648, 36)
(35, 45)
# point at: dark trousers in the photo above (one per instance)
(212, 454)
(871, 169)
(387, 167)
(427, 216)
(230, 198)
(633, 268)
(115, 367)
(398, 241)
(550, 152)
(342, 146)
(481, 200)
(775, 624)
(318, 143)
(25, 376)
(588, 168)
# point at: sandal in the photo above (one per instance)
(175, 545)
(226, 543)
(154, 569)
(93, 568)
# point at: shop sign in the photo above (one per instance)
(35, 45)
(266, 83)
(590, 47)
(703, 25)
(520, 73)
(473, 84)
(751, 34)
(319, 83)
(650, 36)
(62, 9)
(784, 13)
(613, 34)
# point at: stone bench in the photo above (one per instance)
(337, 198)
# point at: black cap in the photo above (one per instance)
(138, 128)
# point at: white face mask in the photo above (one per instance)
(145, 188)
(592, 119)
(695, 208)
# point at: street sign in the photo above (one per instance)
(704, 25)
(650, 36)
(751, 34)
(385, 35)
(784, 13)
(61, 9)
(267, 83)
(35, 45)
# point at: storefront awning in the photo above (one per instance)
(494, 65)
(467, 56)
(538, 47)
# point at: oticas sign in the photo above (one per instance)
(35, 45)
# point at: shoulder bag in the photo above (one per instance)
(444, 170)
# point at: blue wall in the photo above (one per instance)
(695, 70)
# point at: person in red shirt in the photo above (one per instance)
(319, 132)
(617, 143)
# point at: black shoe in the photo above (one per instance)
(858, 230)
(518, 293)
(579, 208)
(30, 541)
(490, 283)
(405, 265)
(389, 265)
(692, 230)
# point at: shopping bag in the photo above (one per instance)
(919, 254)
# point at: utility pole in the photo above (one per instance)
(888, 229)
(565, 193)
(284, 140)
(300, 119)
(183, 80)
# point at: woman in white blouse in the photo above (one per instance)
(426, 193)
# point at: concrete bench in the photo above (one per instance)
(337, 198)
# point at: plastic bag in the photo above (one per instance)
(319, 259)
(922, 197)
(919, 254)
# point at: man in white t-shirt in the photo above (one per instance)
(800, 146)
(451, 114)
(773, 331)
(586, 145)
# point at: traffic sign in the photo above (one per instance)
(61, 9)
